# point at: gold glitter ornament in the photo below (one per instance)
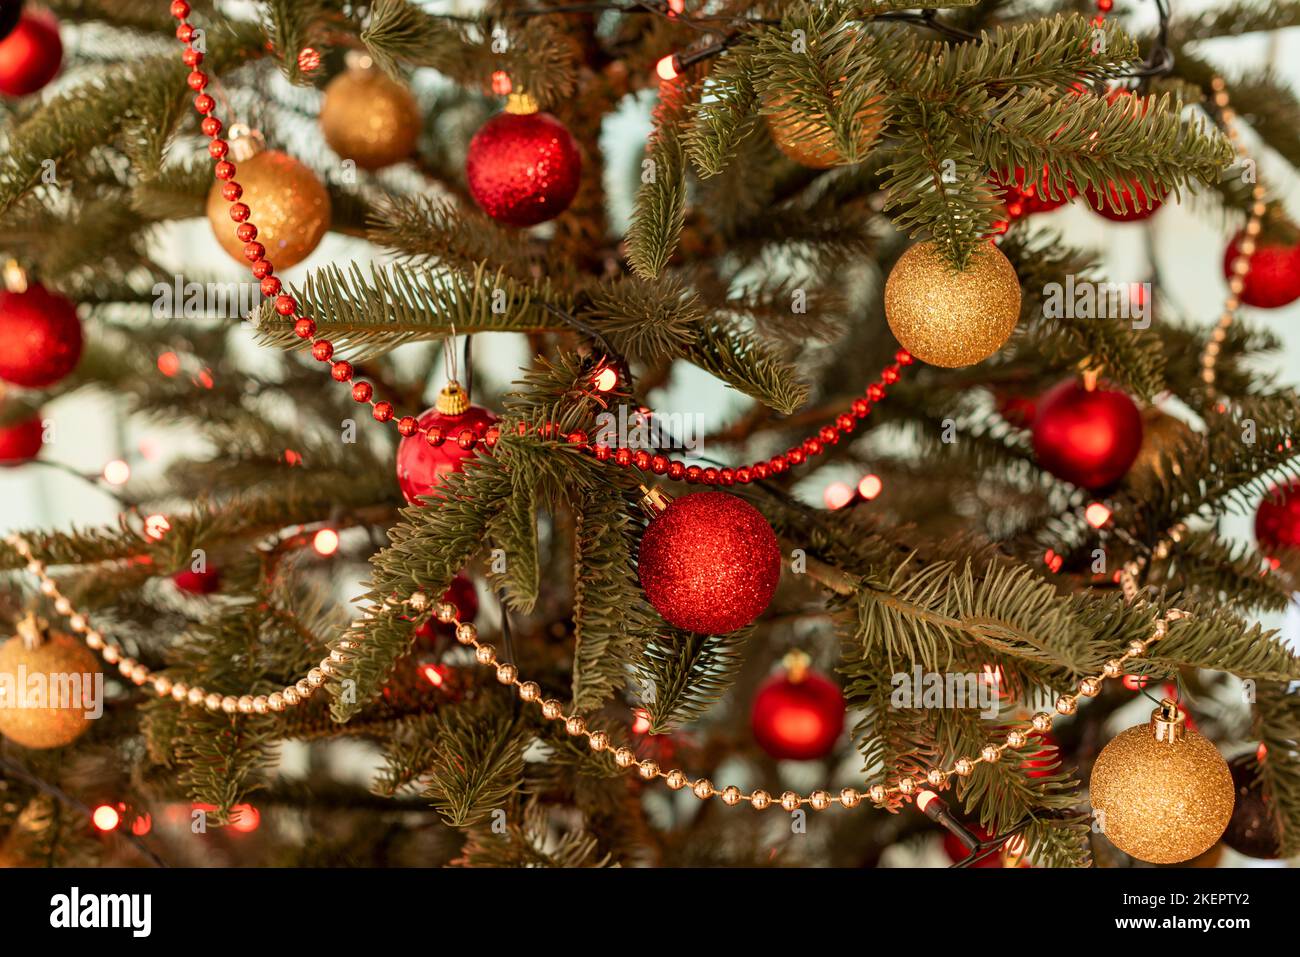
(288, 203)
(368, 117)
(1163, 435)
(811, 142)
(948, 317)
(1162, 793)
(54, 662)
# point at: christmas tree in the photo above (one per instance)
(665, 432)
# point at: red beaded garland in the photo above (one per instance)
(422, 463)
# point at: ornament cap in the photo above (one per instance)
(1168, 723)
(32, 630)
(15, 277)
(654, 501)
(796, 664)
(245, 142)
(453, 399)
(521, 104)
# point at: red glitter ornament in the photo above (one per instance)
(21, 440)
(1088, 438)
(451, 425)
(1022, 198)
(1273, 279)
(198, 583)
(1277, 520)
(460, 593)
(42, 337)
(798, 714)
(523, 168)
(30, 55)
(709, 562)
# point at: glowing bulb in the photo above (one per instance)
(925, 799)
(1134, 682)
(666, 68)
(105, 817)
(308, 59)
(117, 472)
(1261, 752)
(244, 818)
(326, 541)
(142, 825)
(292, 458)
(501, 84)
(870, 486)
(640, 721)
(156, 526)
(837, 495)
(169, 363)
(1097, 514)
(605, 379)
(434, 675)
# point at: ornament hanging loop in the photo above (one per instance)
(245, 142)
(1168, 723)
(31, 630)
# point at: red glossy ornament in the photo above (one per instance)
(1273, 279)
(1277, 520)
(21, 440)
(31, 54)
(709, 562)
(1023, 197)
(420, 464)
(523, 168)
(798, 715)
(464, 596)
(958, 852)
(198, 583)
(1087, 438)
(41, 335)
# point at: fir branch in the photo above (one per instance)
(660, 207)
(725, 114)
(686, 673)
(478, 765)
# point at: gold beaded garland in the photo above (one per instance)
(949, 317)
(1162, 792)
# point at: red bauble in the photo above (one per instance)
(523, 168)
(1022, 197)
(198, 583)
(1040, 764)
(1273, 279)
(958, 852)
(1252, 829)
(463, 595)
(798, 720)
(1088, 438)
(21, 441)
(1124, 202)
(709, 563)
(420, 466)
(30, 55)
(41, 335)
(1277, 521)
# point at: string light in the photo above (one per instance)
(142, 825)
(326, 541)
(501, 84)
(640, 721)
(156, 526)
(434, 674)
(106, 818)
(1097, 515)
(666, 68)
(605, 379)
(308, 59)
(117, 472)
(244, 818)
(837, 495)
(169, 363)
(870, 486)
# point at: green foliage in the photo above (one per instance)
(661, 201)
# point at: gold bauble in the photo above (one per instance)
(948, 317)
(288, 203)
(811, 142)
(1163, 435)
(369, 118)
(1162, 792)
(57, 655)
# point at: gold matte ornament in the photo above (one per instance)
(288, 205)
(369, 118)
(1162, 792)
(1163, 435)
(948, 317)
(51, 658)
(812, 142)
